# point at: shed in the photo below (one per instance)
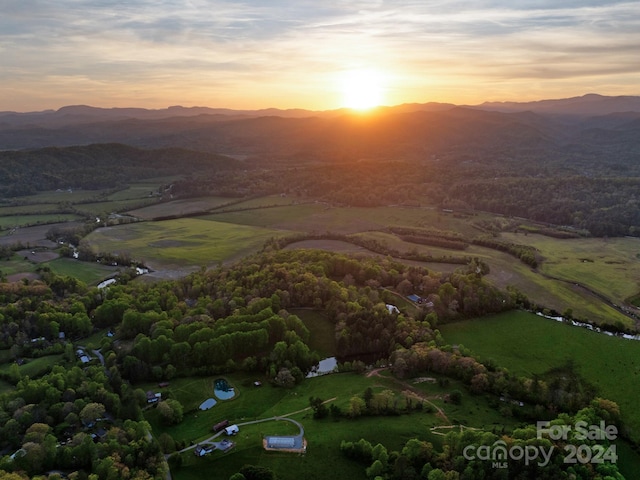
(232, 429)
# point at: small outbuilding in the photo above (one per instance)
(232, 429)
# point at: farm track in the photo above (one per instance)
(261, 420)
(414, 391)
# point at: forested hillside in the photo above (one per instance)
(98, 166)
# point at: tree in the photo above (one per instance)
(356, 407)
(284, 378)
(255, 472)
(170, 411)
(91, 412)
(376, 469)
(320, 410)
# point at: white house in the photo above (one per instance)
(392, 308)
(232, 429)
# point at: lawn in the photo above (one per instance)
(527, 344)
(323, 457)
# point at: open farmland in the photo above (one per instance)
(527, 344)
(181, 242)
(90, 273)
(179, 208)
(608, 266)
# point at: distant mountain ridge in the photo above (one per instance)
(549, 127)
(591, 104)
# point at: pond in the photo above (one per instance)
(326, 365)
(207, 404)
(223, 390)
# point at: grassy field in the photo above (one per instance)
(323, 457)
(527, 344)
(180, 207)
(29, 209)
(35, 367)
(87, 272)
(38, 219)
(607, 266)
(187, 241)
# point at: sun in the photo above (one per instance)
(362, 89)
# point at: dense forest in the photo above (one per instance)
(97, 167)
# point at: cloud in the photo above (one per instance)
(295, 46)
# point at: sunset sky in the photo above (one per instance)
(318, 54)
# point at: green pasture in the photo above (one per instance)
(53, 196)
(323, 457)
(608, 266)
(186, 241)
(527, 344)
(11, 221)
(320, 217)
(90, 273)
(288, 217)
(31, 209)
(16, 264)
(102, 208)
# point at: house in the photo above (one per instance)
(84, 358)
(392, 308)
(232, 429)
(202, 450)
(153, 397)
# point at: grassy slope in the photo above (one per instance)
(608, 266)
(323, 459)
(528, 344)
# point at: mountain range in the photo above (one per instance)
(589, 125)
